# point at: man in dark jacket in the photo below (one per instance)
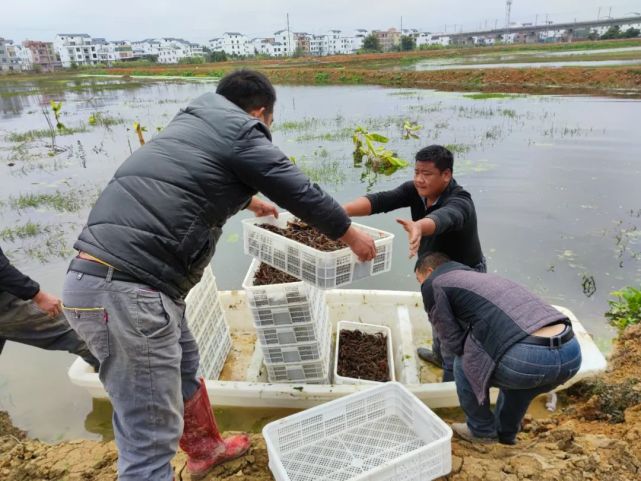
(501, 335)
(443, 220)
(32, 316)
(146, 243)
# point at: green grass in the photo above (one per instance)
(458, 148)
(71, 201)
(343, 134)
(30, 229)
(31, 135)
(490, 95)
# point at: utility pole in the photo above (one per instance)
(536, 20)
(598, 15)
(289, 47)
(401, 25)
(496, 22)
(508, 14)
(610, 13)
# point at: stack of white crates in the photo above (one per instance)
(292, 320)
(293, 329)
(207, 323)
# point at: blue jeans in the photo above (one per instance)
(148, 363)
(448, 362)
(524, 372)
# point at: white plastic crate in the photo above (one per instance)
(305, 362)
(205, 290)
(381, 434)
(367, 329)
(311, 372)
(302, 351)
(322, 269)
(273, 294)
(206, 320)
(285, 304)
(214, 354)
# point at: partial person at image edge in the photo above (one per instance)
(31, 316)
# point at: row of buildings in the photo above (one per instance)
(335, 42)
(78, 49)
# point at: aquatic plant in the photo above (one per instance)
(410, 129)
(625, 310)
(377, 156)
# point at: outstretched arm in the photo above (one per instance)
(416, 230)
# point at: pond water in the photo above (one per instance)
(507, 63)
(533, 59)
(555, 181)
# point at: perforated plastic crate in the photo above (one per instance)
(278, 305)
(271, 295)
(214, 353)
(381, 434)
(311, 372)
(322, 269)
(206, 320)
(367, 329)
(304, 362)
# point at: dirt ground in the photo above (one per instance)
(597, 437)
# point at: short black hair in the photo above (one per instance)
(439, 155)
(248, 89)
(430, 260)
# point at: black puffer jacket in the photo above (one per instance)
(161, 215)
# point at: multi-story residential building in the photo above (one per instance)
(358, 38)
(76, 49)
(287, 42)
(235, 44)
(119, 50)
(42, 55)
(303, 43)
(389, 39)
(13, 57)
(215, 44)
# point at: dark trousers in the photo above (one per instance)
(24, 322)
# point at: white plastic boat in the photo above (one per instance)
(243, 381)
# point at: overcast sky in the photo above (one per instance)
(200, 20)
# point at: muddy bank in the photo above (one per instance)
(596, 437)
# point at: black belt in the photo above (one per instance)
(96, 269)
(554, 341)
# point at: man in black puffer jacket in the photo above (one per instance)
(146, 243)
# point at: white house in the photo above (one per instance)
(14, 57)
(286, 41)
(76, 49)
(358, 38)
(233, 43)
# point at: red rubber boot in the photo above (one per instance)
(201, 440)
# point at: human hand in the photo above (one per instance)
(360, 243)
(262, 208)
(48, 303)
(414, 234)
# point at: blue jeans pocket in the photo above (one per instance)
(151, 318)
(508, 378)
(91, 325)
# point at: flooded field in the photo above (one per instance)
(555, 181)
(536, 58)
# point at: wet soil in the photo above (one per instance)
(587, 440)
(267, 275)
(363, 356)
(307, 235)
